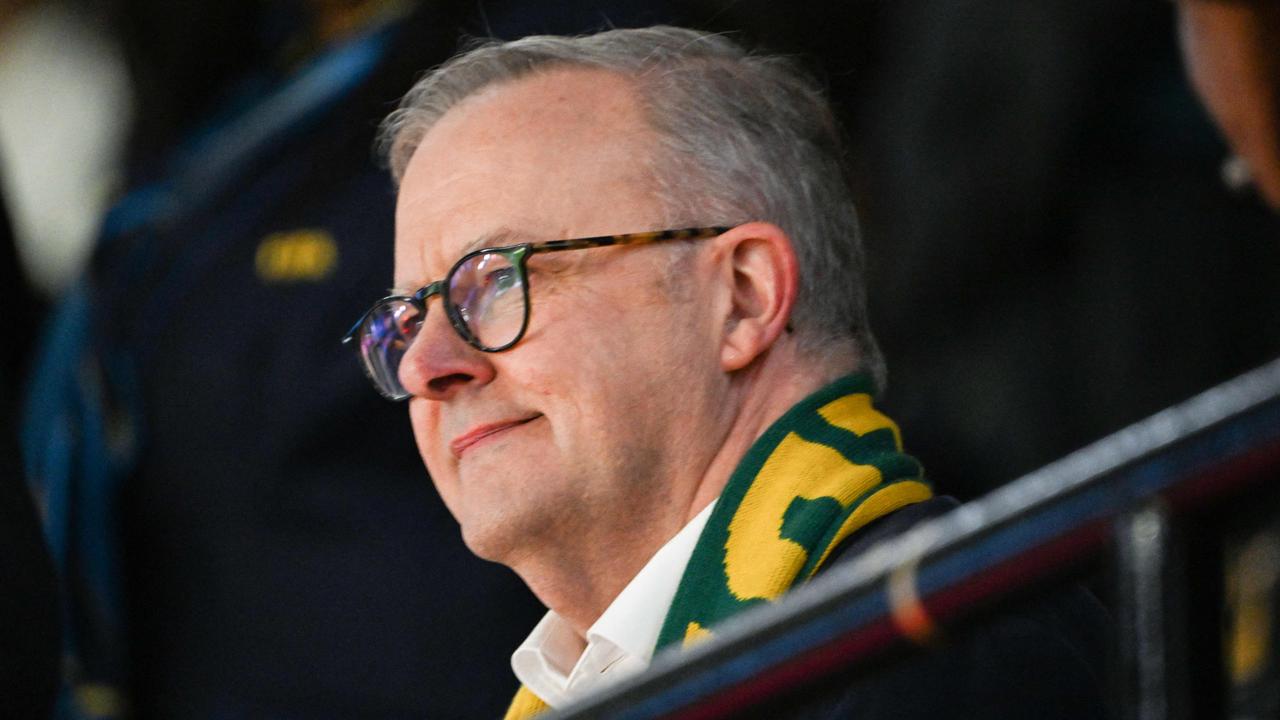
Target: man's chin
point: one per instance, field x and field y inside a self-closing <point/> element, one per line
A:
<point x="494" y="541"/>
<point x="515" y="536"/>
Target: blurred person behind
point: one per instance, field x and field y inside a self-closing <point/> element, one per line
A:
<point x="230" y="543"/>
<point x="63" y="107"/>
<point x="28" y="605"/>
<point x="1232" y="52"/>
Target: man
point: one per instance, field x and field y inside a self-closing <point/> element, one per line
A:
<point x="658" y="429"/>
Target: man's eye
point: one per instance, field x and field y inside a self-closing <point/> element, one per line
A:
<point x="501" y="280"/>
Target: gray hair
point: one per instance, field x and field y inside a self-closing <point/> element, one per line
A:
<point x="742" y="137"/>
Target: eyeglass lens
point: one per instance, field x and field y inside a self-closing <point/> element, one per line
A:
<point x="487" y="290"/>
<point x="388" y="331"/>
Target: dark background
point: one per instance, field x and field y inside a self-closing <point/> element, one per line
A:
<point x="1052" y="252"/>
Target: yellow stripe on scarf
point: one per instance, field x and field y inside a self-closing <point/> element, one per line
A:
<point x="759" y="562"/>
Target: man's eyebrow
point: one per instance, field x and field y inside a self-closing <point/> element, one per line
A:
<point x="498" y="237"/>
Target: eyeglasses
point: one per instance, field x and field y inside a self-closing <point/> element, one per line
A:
<point x="485" y="296"/>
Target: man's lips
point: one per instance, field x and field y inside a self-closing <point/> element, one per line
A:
<point x="460" y="444"/>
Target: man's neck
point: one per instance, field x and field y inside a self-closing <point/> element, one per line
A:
<point x="580" y="582"/>
<point x="760" y="395"/>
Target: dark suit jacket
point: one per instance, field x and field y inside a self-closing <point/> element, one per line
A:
<point x="1042" y="659"/>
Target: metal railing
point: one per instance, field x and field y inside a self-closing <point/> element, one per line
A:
<point x="1116" y="499"/>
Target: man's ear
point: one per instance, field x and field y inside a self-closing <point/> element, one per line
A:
<point x="758" y="265"/>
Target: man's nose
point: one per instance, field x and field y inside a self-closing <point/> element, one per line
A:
<point x="439" y="363"/>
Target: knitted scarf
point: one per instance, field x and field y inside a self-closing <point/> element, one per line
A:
<point x="826" y="468"/>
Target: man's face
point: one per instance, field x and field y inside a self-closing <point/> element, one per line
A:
<point x="594" y="427"/>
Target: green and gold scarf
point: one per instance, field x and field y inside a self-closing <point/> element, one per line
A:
<point x="829" y="466"/>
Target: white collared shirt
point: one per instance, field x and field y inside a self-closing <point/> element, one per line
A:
<point x="559" y="665"/>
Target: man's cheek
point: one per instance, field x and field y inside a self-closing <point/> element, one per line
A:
<point x="426" y="434"/>
<point x="446" y="484"/>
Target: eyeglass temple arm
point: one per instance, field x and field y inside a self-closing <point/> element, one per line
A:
<point x="627" y="239"/>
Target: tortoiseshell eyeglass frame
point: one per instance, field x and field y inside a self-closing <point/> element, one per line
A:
<point x="518" y="255"/>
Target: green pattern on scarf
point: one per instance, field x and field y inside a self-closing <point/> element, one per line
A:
<point x="826" y="468"/>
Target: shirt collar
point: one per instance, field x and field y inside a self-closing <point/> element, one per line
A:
<point x="558" y="665"/>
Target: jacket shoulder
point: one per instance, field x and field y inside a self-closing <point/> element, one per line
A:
<point x="1040" y="658"/>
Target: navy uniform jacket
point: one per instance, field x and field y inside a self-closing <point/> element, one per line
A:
<point x="28" y="607"/>
<point x="246" y="527"/>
